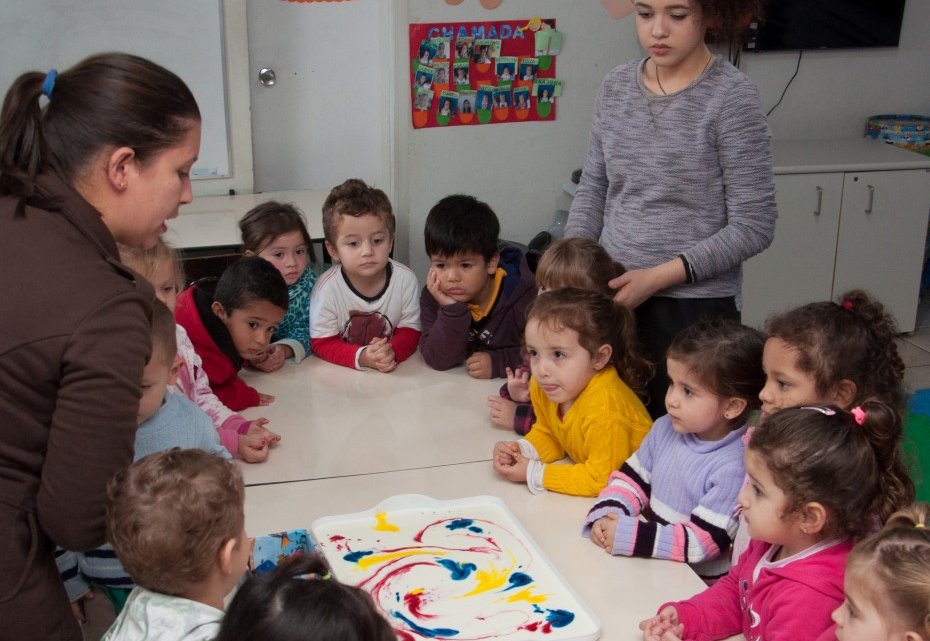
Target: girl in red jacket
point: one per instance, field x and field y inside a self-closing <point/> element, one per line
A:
<point x="816" y="474"/>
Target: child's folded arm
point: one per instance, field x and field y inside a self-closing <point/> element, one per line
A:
<point x="624" y="495"/>
<point x="502" y="358"/>
<point x="444" y="342"/>
<point x="71" y="577"/>
<point x="335" y="350"/>
<point x="404" y="341"/>
<point x="714" y="613"/>
<point x="236" y="394"/>
<point x="300" y="350"/>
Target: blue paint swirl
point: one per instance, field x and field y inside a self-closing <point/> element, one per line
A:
<point x="355" y="557"/>
<point x="430" y="633"/>
<point x="458" y="571"/>
<point x="475" y="529"/>
<point x="560" y="618"/>
<point x="459" y="524"/>
<point x="518" y="580"/>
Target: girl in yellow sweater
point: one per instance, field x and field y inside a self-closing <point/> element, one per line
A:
<point x="584" y="370"/>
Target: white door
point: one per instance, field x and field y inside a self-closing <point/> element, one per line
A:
<point x="327" y="116"/>
<point x="881" y="239"/>
<point x="798" y="267"/>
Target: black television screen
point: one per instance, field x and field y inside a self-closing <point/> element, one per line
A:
<point x="826" y="24"/>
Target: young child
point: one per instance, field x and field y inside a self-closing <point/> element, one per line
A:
<point x="176" y="520"/>
<point x="803" y="513"/>
<point x="887" y="582"/>
<point x="166" y="420"/>
<point x="476" y="296"/>
<point x="840" y="354"/>
<point x="277" y="232"/>
<point x="583" y="366"/>
<point x="570" y="262"/>
<point x="246" y="439"/>
<point x="298" y="599"/>
<point x="234" y="326"/>
<point x="686" y="476"/>
<point x="364" y="312"/>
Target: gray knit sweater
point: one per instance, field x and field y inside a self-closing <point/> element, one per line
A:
<point x="688" y="173"/>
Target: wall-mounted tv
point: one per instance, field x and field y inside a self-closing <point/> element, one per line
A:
<point x="826" y="24"/>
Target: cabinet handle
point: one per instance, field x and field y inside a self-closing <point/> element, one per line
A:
<point x="819" y="200"/>
<point x="871" y="189"/>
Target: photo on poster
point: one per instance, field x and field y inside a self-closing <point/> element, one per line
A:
<point x="423" y="79"/>
<point x="423" y="100"/>
<point x="485" y="96"/>
<point x="441" y="73"/>
<point x="501" y="97"/>
<point x="426" y="53"/>
<point x="543" y="92"/>
<point x="448" y="103"/>
<point x="521" y="98"/>
<point x="467" y="101"/>
<point x="464" y="47"/>
<point x="506" y="68"/>
<point x="442" y="48"/>
<point x="460" y="73"/>
<point x="486" y="49"/>
<point x="528" y="69"/>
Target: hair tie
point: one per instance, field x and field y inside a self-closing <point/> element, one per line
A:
<point x="858" y="414"/>
<point x="848" y="305"/>
<point x="826" y="411"/>
<point x="314" y="576"/>
<point x="48" y="85"/>
<point x="919" y="525"/>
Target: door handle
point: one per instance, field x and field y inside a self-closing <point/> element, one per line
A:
<point x="819" y="200"/>
<point x="266" y="77"/>
<point x="871" y="189"/>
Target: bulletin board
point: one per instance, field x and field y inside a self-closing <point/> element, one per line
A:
<point x="480" y="73"/>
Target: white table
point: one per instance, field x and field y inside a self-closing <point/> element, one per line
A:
<point x="336" y="421"/>
<point x="621" y="591"/>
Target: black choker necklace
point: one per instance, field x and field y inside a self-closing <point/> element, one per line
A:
<point x="659" y="82"/>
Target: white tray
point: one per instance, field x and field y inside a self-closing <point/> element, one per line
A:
<point x="462" y="569"/>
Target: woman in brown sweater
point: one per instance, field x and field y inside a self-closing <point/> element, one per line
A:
<point x="95" y="155"/>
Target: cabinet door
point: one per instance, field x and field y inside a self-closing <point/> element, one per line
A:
<point x="881" y="239"/>
<point x="798" y="267"/>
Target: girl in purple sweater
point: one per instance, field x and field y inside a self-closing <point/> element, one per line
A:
<point x="674" y="498"/>
<point x="816" y="474"/>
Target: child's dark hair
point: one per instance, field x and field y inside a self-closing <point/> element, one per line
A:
<point x="728" y="20"/>
<point x="598" y="321"/>
<point x="853" y="340"/>
<point x="354" y="198"/>
<point x="251" y="279"/>
<point x="726" y="357"/>
<point x="460" y="224"/>
<point x="265" y="222"/>
<point x="108" y="99"/>
<point x="823" y="454"/>
<point x="169" y="513"/>
<point x="895" y="567"/>
<point x="286" y="606"/>
<point x="578" y="262"/>
<point x="164" y="337"/>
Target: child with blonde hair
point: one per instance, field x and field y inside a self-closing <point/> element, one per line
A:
<point x="244" y="438"/>
<point x="887" y="583"/>
<point x="176" y="520"/>
<point x="570" y="262"/>
<point x="841" y="354"/>
<point x="585" y="369"/>
<point x="277" y="232"/>
<point x="803" y="513"/>
<point x="674" y="498"/>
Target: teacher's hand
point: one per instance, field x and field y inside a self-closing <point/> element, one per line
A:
<point x="636" y="285"/>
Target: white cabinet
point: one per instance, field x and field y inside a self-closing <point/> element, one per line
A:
<point x="851" y="215"/>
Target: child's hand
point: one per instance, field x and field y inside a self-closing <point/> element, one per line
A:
<point x="272" y="361"/>
<point x="604" y="530"/>
<point x="257" y="428"/>
<point x="518" y="384"/>
<point x="253" y="448"/>
<point x="502" y="411"/>
<point x="265" y="399"/>
<point x="515" y="471"/>
<point x="506" y="452"/>
<point x="479" y="365"/>
<point x="432" y="286"/>
<point x="379" y="355"/>
<point x="77" y="606"/>
<point x="665" y="626"/>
